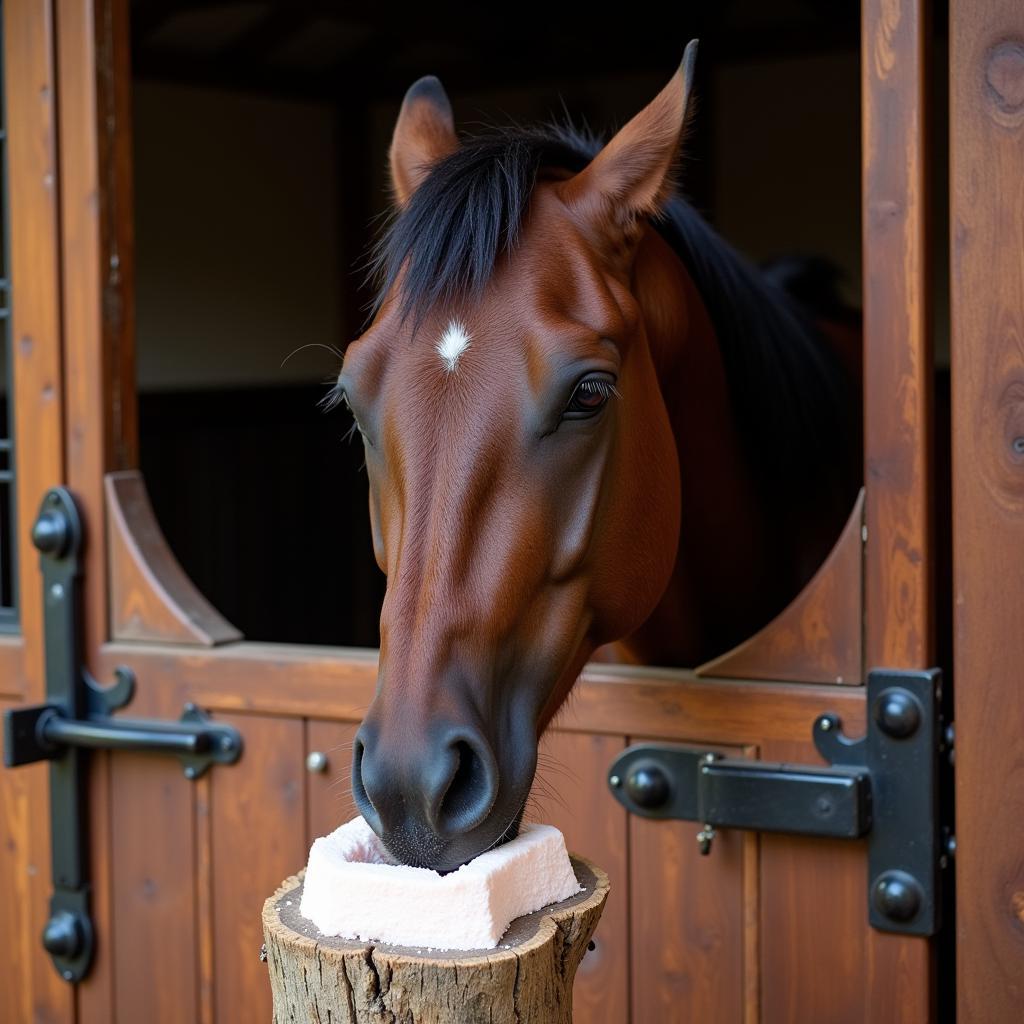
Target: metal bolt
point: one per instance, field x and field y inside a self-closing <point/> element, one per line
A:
<point x="648" y="786"/>
<point x="897" y="896"/>
<point x="316" y="762"/>
<point x="825" y="724"/>
<point x="63" y="935"/>
<point x="57" y="591"/>
<point x="191" y="771"/>
<point x="704" y="839"/>
<point x="615" y="781"/>
<point x="897" y="713"/>
<point x="50" y="533"/>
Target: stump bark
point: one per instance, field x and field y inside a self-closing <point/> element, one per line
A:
<point x="526" y="980"/>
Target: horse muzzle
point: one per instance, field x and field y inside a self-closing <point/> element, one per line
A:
<point x="434" y="799"/>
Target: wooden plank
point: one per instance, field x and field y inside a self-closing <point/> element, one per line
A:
<point x="151" y="598"/>
<point x="338" y="683"/>
<point x="18" y="896"/>
<point x="987" y="230"/>
<point x="204" y="899"/>
<point x="571" y="793"/>
<point x="12" y="661"/>
<point x="32" y="224"/>
<point x="329" y="792"/>
<point x="813" y="914"/>
<point x="898" y="362"/>
<point x="154" y="869"/>
<point x="258" y="839"/>
<point x="898" y="391"/>
<point x="688" y="918"/>
<point x="84" y="399"/>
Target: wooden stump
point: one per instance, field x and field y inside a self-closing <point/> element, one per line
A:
<point x="526" y="980"/>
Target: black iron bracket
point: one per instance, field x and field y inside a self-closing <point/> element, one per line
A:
<point x="882" y="786"/>
<point x="77" y="716"/>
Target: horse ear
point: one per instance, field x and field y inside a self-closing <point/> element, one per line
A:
<point x="633" y="175"/>
<point x="424" y="133"/>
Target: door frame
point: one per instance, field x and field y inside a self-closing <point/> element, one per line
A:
<point x="75" y="423"/>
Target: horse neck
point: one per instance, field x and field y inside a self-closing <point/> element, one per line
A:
<point x="723" y="543"/>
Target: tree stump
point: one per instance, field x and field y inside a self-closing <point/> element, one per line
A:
<point x="526" y="980"/>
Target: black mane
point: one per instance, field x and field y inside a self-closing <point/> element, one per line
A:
<point x="791" y="401"/>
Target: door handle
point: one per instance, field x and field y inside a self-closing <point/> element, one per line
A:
<point x="78" y="716"/>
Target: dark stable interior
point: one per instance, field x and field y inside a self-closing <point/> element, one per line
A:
<point x="261" y="133"/>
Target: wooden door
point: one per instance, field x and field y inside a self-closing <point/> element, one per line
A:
<point x="987" y="263"/>
<point x="765" y="929"/>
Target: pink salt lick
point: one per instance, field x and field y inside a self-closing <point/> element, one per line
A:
<point x="353" y="889"/>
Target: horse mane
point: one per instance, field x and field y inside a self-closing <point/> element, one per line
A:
<point x="791" y="402"/>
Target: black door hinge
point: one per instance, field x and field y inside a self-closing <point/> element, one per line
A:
<point x="77" y="716"/>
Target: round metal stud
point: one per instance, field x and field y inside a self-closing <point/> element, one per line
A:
<point x="50" y="534"/>
<point x="897" y="896"/>
<point x="897" y="713"/>
<point x="316" y="762"/>
<point x="63" y="935"/>
<point x="648" y="786"/>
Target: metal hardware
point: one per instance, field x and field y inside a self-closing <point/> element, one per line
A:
<point x="78" y="716"/>
<point x="316" y="762"/>
<point x="883" y="786"/>
<point x="705" y="837"/>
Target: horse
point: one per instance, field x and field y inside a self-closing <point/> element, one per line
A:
<point x="587" y="422"/>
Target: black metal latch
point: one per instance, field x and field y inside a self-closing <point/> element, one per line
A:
<point x="78" y="715"/>
<point x="883" y="786"/>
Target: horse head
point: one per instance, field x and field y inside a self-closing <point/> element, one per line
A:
<point x="524" y="480"/>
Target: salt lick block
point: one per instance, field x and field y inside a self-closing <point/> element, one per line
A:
<point x="527" y="979"/>
<point x="353" y="889"/>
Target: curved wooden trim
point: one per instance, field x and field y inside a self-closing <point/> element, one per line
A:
<point x="819" y="637"/>
<point x="151" y="598"/>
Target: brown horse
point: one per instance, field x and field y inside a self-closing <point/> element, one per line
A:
<point x="586" y="420"/>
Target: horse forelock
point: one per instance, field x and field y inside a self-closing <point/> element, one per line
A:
<point x="444" y="244"/>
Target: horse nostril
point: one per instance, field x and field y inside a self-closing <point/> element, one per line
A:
<point x="471" y="791"/>
<point x="360" y="794"/>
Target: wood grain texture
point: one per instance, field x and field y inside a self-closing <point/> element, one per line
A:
<point x="329" y="800"/>
<point x="151" y="598"/>
<point x="96" y="401"/>
<point x="204" y="899"/>
<point x="35" y="355"/>
<point x="898" y="364"/>
<point x="687" y="923"/>
<point x="338" y="683"/>
<point x="20" y="896"/>
<point x="818" y="638"/>
<point x="528" y="978"/>
<point x="85" y="364"/>
<point x="987" y="227"/>
<point x="153" y="867"/>
<point x="571" y="793"/>
<point x="257" y="838"/>
<point x="899" y="616"/>
<point x="12" y="667"/>
<point x="813" y="913"/>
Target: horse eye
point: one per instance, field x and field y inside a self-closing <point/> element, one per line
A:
<point x="589" y="398"/>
